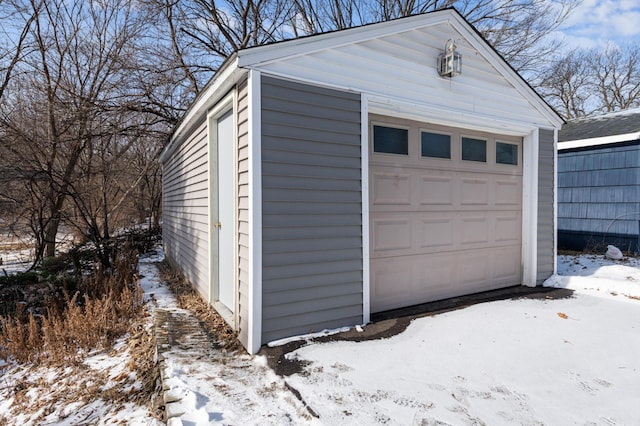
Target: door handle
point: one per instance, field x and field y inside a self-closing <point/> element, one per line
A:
<point x="218" y="225"/>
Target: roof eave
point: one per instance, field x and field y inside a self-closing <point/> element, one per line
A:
<point x="224" y="79"/>
<point x="259" y="55"/>
<point x="502" y="66"/>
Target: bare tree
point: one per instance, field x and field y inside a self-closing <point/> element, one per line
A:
<point x="67" y="121"/>
<point x="169" y="68"/>
<point x="519" y="30"/>
<point x="567" y="85"/>
<point x="616" y="75"/>
<point x="224" y="26"/>
<point x="316" y="16"/>
<point x="591" y="81"/>
<point x="23" y="17"/>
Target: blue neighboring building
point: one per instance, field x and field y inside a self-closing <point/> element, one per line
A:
<point x="599" y="182"/>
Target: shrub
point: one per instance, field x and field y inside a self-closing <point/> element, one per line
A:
<point x="100" y="311"/>
<point x="20" y="279"/>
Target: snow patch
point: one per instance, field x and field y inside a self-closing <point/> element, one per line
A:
<point x="308" y="337"/>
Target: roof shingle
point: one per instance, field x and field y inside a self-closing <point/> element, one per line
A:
<point x="615" y="123"/>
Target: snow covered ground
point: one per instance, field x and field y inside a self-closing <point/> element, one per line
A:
<point x="564" y="361"/>
<point x="14" y="261"/>
<point x="528" y="361"/>
<point x="212" y="386"/>
<point x="593" y="274"/>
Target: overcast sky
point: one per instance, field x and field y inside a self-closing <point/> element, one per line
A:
<point x="597" y="22"/>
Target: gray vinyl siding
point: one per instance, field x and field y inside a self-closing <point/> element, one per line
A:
<point x="599" y="191"/>
<point x="185" y="207"/>
<point x="546" y="232"/>
<point x="311" y="209"/>
<point x="243" y="212"/>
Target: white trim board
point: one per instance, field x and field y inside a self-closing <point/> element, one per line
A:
<point x="227" y="104"/>
<point x="604" y="140"/>
<point x="366" y="263"/>
<point x="383" y="105"/>
<point x="255" y="212"/>
<point x="530" y="154"/>
<point x="555" y="201"/>
<point x="261" y="55"/>
<point x="217" y="88"/>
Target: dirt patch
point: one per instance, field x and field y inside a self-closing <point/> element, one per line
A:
<point x="454" y="303"/>
<point x="188" y="298"/>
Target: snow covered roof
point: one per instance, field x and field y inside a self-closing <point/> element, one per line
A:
<point x="615" y="127"/>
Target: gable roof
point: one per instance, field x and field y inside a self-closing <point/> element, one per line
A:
<point x="395" y="61"/>
<point x="614" y="127"/>
<point x="405" y="50"/>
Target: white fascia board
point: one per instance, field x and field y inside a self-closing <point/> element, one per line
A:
<point x="604" y="140"/>
<point x="255" y="215"/>
<point x="217" y="88"/>
<point x="303" y="46"/>
<point x="481" y="46"/>
<point x="384" y="105"/>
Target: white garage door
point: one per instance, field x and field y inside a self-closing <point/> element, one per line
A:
<point x="445" y="212"/>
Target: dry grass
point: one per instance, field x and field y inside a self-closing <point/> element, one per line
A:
<point x="189" y="299"/>
<point x="142" y="348"/>
<point x="78" y="385"/>
<point x="100" y="311"/>
<point x="51" y="348"/>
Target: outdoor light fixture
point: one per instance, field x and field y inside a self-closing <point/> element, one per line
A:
<point x="449" y="61"/>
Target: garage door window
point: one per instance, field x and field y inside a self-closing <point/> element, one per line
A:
<point x="474" y="150"/>
<point x="390" y="140"/>
<point x="506" y="153"/>
<point x="436" y="145"/>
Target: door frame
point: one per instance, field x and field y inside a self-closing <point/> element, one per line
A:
<point x="221" y="109"/>
<point x="382" y="105"/>
<point x="496" y="173"/>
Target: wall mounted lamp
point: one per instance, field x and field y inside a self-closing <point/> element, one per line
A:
<point x="449" y="61"/>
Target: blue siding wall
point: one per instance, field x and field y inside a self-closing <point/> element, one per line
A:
<point x="312" y="209"/>
<point x="599" y="196"/>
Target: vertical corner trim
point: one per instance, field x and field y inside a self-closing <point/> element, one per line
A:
<point x="211" y="159"/>
<point x="530" y="209"/>
<point x="255" y="209"/>
<point x="555" y="201"/>
<point x="364" y="141"/>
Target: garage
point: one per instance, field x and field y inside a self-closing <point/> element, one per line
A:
<point x="445" y="212"/>
<point x="365" y="179"/>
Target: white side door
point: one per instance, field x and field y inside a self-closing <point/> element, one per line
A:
<point x="223" y="213"/>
